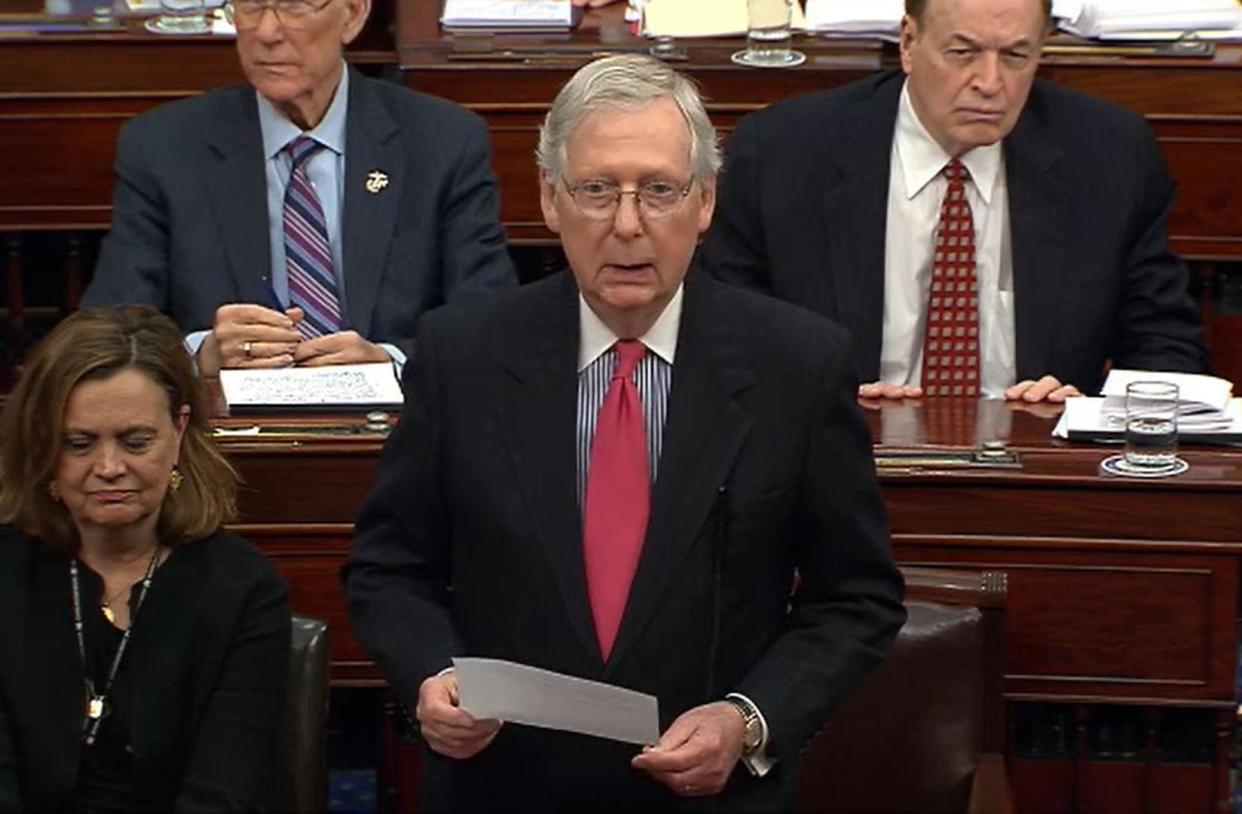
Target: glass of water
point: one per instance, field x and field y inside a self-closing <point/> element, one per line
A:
<point x="1151" y="425"/>
<point x="768" y="37"/>
<point x="180" y="17"/>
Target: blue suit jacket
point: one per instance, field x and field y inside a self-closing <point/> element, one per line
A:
<point x="190" y="227"/>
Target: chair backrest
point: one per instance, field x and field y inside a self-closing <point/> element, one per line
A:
<point x="303" y="782"/>
<point x="912" y="735"/>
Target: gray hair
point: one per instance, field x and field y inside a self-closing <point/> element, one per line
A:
<point x="626" y="81"/>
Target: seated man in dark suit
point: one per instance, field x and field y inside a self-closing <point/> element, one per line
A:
<point x="309" y="218"/>
<point x="618" y="479"/>
<point x="978" y="231"/>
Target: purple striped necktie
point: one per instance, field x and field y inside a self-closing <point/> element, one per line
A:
<point x="308" y="254"/>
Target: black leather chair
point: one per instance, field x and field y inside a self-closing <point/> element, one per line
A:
<point x="925" y="731"/>
<point x="303" y="782"/>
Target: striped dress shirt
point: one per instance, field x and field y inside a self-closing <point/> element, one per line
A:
<point x="597" y="358"/>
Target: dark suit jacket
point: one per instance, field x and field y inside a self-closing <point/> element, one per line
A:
<point x="190" y="225"/>
<point x="1088" y="199"/>
<point x="207" y="664"/>
<point x="766" y="467"/>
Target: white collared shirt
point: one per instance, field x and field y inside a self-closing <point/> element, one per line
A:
<point x="915" y="191"/>
<point x="594" y="337"/>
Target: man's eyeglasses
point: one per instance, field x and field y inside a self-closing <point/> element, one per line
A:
<point x="245" y="15"/>
<point x="599" y="200"/>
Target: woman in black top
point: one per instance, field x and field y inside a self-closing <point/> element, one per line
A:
<point x="143" y="650"/>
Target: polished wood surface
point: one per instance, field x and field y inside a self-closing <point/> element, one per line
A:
<point x="1120" y="589"/>
<point x="1194" y="104"/>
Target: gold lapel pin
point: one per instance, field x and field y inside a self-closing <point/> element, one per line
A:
<point x="376" y="181"/>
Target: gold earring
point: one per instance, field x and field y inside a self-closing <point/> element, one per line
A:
<point x="175" y="478"/>
<point x="53" y="490"/>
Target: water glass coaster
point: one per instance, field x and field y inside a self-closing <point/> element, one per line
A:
<point x="1117" y="465"/>
<point x="790" y="60"/>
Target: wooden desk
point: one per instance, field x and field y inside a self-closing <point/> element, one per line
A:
<point x="1120" y="591"/>
<point x="1195" y="105"/>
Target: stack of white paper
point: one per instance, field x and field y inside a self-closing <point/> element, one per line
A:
<point x="880" y="19"/>
<point x="370" y="386"/>
<point x="1157" y="19"/>
<point x="1202" y="401"/>
<point x="501" y="14"/>
<point x="703" y="18"/>
<point x="1206" y="408"/>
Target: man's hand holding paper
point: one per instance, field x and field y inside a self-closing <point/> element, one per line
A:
<point x="447" y="728"/>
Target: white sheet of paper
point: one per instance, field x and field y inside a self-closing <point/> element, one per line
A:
<point x="371" y="386"/>
<point x="703" y="18"/>
<point x="847" y="17"/>
<point x="1088" y="415"/>
<point x="517" y="693"/>
<point x="504" y="13"/>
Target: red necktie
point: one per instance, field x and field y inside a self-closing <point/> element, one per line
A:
<point x="618" y="497"/>
<point x="951" y="340"/>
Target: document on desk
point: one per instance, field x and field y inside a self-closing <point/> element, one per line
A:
<point x="501" y="14"/>
<point x="371" y="386"/>
<point x="518" y="693"/>
<point x="703" y="18"/>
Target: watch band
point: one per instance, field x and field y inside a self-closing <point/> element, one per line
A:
<point x="752" y="737"/>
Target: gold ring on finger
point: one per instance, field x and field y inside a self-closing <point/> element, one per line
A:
<point x="246" y="347"/>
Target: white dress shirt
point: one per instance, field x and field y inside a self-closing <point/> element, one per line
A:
<point x="915" y="191"/>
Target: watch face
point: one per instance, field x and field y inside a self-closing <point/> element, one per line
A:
<point x="754" y="734"/>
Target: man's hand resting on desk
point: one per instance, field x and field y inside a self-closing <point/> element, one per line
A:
<point x="343" y="348"/>
<point x="697" y="753"/>
<point x="882" y="390"/>
<point x="446" y="727"/>
<point x="246" y="335"/>
<point x="1049" y="388"/>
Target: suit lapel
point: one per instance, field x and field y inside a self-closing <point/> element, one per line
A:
<point x="371" y="146"/>
<point x="855" y="221"/>
<point x="538" y="420"/>
<point x="237" y="187"/>
<point x="703" y="433"/>
<point x="1038" y="201"/>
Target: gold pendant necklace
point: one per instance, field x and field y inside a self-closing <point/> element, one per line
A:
<point x="106" y="604"/>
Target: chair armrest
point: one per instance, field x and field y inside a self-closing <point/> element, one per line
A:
<point x="989" y="791"/>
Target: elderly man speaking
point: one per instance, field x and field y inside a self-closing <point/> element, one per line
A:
<point x="616" y="473"/>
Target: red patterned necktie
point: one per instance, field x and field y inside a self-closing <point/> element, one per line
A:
<point x="618" y="497"/>
<point x="951" y="339"/>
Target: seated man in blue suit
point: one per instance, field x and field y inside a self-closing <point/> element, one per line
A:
<point x="308" y="218"/>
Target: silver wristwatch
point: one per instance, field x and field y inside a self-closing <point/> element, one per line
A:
<point x="752" y="737"/>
